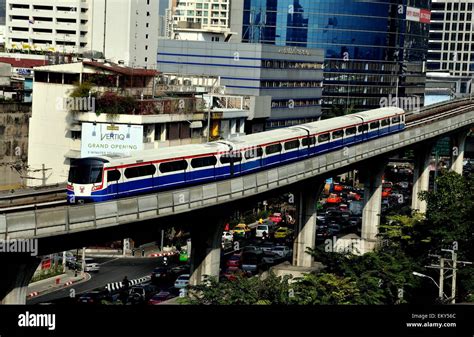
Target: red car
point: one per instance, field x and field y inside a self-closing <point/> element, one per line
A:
<point x="233" y="262"/>
<point x="334" y="199"/>
<point x="232" y="275"/>
<point x="275" y="218"/>
<point x="160" y="297"/>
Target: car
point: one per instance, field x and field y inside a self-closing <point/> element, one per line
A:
<point x="282" y="233"/>
<point x="252" y="248"/>
<point x="271" y="258"/>
<point x="275" y="218"/>
<point x="94" y="297"/>
<point x="334" y="229"/>
<point x="283" y="251"/>
<point x="160" y="274"/>
<point x="251" y="262"/>
<point x="320" y="218"/>
<point x="266" y="246"/>
<point x="242" y="230"/>
<point x="160" y="297"/>
<point x="227" y="236"/>
<point x="137" y="294"/>
<point x="182" y="281"/>
<point x="232" y="274"/>
<point x="90" y="265"/>
<point x="334" y="199"/>
<point x="180" y="270"/>
<point x="404" y="184"/>
<point x="233" y="262"/>
<point x="322" y="233"/>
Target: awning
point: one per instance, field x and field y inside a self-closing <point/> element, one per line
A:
<point x="73" y="154"/>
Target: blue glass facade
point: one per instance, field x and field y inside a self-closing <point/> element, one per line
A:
<point x="370" y="46"/>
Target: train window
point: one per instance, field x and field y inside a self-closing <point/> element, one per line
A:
<point x="385" y="122"/>
<point x="204" y="161"/>
<point x="395" y="120"/>
<point x="374" y="125"/>
<point x="253" y="153"/>
<point x="140" y="171"/>
<point x="271" y="149"/>
<point x="323" y="138"/>
<point x="363" y="128"/>
<point x="113" y="175"/>
<point x="172" y="166"/>
<point x="351" y="131"/>
<point x="337" y="134"/>
<point x="292" y="144"/>
<point x="233" y="157"/>
<point x="310" y="141"/>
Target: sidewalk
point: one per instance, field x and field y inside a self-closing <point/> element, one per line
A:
<point x="49" y="285"/>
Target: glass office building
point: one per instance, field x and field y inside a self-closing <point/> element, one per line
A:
<point x="373" y="49"/>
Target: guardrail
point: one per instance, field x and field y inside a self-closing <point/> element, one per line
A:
<point x="33" y="192"/>
<point x="71" y="219"/>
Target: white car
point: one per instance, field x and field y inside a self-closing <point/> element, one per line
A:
<point x="283" y="251"/>
<point x="90" y="265"/>
<point x="262" y="229"/>
<point x="227" y="236"/>
<point x="182" y="281"/>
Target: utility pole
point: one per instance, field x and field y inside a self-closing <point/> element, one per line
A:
<point x="452" y="264"/>
<point x="453" y="281"/>
<point x="441" y="278"/>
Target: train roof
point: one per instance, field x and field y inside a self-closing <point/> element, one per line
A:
<point x="379" y="113"/>
<point x="266" y="137"/>
<point x="170" y="152"/>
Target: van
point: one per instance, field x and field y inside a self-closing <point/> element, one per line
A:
<point x="264" y="228"/>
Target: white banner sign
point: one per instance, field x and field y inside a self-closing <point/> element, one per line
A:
<point x="109" y="139"/>
<point x="413" y="14"/>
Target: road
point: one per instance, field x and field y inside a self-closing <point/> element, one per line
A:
<point x="111" y="270"/>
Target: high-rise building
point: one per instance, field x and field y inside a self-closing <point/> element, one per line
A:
<point x="451" y="45"/>
<point x="122" y="30"/>
<point x="202" y="13"/>
<point x="374" y="50"/>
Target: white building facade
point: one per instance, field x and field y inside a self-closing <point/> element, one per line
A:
<point x="123" y="30"/>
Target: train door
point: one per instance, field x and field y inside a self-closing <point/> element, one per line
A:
<point x="113" y="180"/>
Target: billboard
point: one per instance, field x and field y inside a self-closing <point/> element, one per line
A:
<point x="110" y="139"/>
<point x="418" y="15"/>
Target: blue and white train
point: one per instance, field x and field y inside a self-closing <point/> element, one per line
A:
<point x="104" y="178"/>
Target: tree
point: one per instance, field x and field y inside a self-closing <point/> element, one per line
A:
<point x="450" y="211"/>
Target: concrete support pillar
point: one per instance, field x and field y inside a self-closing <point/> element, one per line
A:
<point x="421" y="176"/>
<point x="305" y="234"/>
<point x="457" y="152"/>
<point x="206" y="239"/>
<point x="372" y="178"/>
<point x="16" y="275"/>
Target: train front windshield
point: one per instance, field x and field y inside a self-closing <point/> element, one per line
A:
<point x="86" y="171"/>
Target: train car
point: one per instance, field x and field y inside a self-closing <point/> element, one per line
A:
<point x="110" y="177"/>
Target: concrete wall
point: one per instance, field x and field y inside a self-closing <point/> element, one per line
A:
<point x="14" y="119"/>
<point x="49" y="138"/>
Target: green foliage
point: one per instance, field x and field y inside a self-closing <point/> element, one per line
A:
<point x="81" y="89"/>
<point x="450" y="210"/>
<point x="326" y="289"/>
<point x="263" y="214"/>
<point x="48" y="273"/>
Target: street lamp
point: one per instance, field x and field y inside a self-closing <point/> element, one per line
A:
<point x="441" y="292"/>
